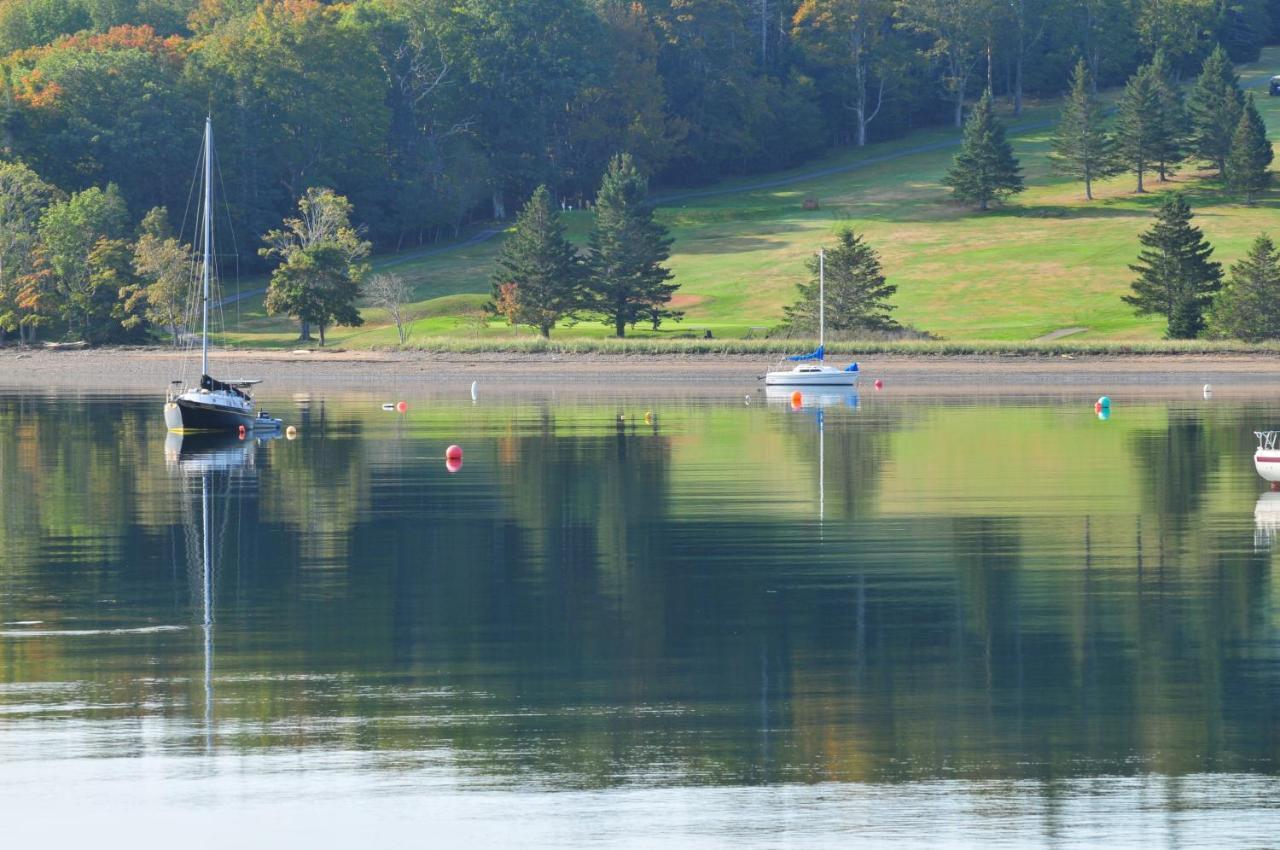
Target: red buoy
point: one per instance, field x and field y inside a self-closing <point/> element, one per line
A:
<point x="453" y="453"/>
<point x="401" y="407"/>
<point x="242" y="432"/>
<point x="453" y="464"/>
<point x="879" y="384"/>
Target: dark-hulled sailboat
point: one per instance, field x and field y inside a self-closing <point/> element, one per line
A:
<point x="212" y="405"/>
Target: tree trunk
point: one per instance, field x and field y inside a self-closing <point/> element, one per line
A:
<point x="304" y="332"/>
<point x="1088" y="187"/>
<point x="1017" y="86"/>
<point x="1140" y="189"/>
<point x="322" y="334"/>
<point x="960" y="106"/>
<point x="545" y="330"/>
<point x="982" y="205"/>
<point x="619" y="327"/>
<point x="499" y="206"/>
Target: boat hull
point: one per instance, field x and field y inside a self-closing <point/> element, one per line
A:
<point x="1267" y="463"/>
<point x="834" y="378"/>
<point x="185" y="416"/>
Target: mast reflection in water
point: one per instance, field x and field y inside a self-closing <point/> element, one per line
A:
<point x="214" y="470"/>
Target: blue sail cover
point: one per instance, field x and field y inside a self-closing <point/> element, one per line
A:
<point x="817" y="355"/>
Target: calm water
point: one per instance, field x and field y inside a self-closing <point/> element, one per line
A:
<point x="724" y="624"/>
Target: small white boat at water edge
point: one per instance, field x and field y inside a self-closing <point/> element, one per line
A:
<point x="1266" y="458"/>
<point x="810" y="370"/>
<point x="814" y="375"/>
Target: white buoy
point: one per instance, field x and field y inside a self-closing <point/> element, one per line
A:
<point x="1208" y="391"/>
<point x="475" y="390"/>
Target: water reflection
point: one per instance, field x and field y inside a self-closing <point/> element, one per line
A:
<point x="221" y="465"/>
<point x="647" y="592"/>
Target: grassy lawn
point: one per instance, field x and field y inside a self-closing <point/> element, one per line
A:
<point x="1048" y="261"/>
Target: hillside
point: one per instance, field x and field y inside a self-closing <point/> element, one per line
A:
<point x="1047" y="262"/>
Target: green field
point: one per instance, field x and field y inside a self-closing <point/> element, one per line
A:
<point x="1046" y="262"/>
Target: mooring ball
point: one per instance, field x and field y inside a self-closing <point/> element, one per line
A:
<point x="453" y="464"/>
<point x="453" y="453"/>
<point x="879" y="384"/>
<point x="291" y="433"/>
<point x="401" y="407"/>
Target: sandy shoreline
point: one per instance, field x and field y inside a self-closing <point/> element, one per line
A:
<point x="149" y="370"/>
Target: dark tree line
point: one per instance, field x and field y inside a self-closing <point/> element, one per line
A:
<point x="430" y="113"/>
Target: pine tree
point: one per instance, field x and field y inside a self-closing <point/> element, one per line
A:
<point x="1081" y="148"/>
<point x="1250" y="154"/>
<point x="857" y="295"/>
<point x="1248" y="307"/>
<point x="1215" y="104"/>
<point x="1176" y="278"/>
<point x="628" y="282"/>
<point x="1173" y="125"/>
<point x="544" y="267"/>
<point x="985" y="169"/>
<point x="1138" y="124"/>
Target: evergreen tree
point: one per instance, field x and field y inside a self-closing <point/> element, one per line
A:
<point x="857" y="295"/>
<point x="1250" y="154"/>
<point x="1081" y="148"/>
<point x="1215" y="104"/>
<point x="1248" y="307"/>
<point x="1138" y="125"/>
<point x="544" y="267"/>
<point x="985" y="169"/>
<point x="627" y="281"/>
<point x="1176" y="278"/>
<point x="1172" y="121"/>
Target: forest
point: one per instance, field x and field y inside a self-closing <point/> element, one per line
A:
<point x="428" y="115"/>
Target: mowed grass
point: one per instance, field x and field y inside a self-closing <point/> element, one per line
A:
<point x="1047" y="261"/>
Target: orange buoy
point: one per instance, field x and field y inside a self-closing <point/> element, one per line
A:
<point x="401" y="407"/>
<point x="453" y="453"/>
<point x="796" y="398"/>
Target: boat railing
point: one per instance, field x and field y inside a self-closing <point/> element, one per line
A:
<point x="1267" y="440"/>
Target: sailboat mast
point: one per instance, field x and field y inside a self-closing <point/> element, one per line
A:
<point x="208" y="171"/>
<point x="822" y="299"/>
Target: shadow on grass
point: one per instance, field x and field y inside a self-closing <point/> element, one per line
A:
<point x="722" y="243"/>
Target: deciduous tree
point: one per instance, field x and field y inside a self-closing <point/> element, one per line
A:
<point x="23" y="199"/>
<point x="322" y="265"/>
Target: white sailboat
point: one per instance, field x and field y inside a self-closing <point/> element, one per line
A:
<point x="811" y="370"/>
<point x="212" y="405"/>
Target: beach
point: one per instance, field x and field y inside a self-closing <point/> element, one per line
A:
<point x="149" y="370"/>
